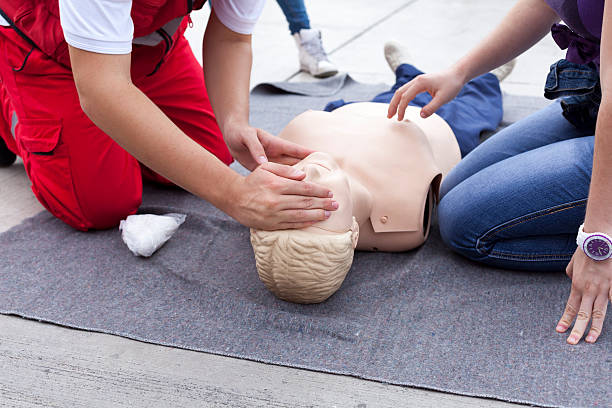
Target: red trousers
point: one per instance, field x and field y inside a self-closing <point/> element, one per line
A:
<point x="77" y="171"/>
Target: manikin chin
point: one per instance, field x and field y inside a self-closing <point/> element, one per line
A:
<point x="385" y="176"/>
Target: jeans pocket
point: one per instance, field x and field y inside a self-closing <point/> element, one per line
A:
<point x="568" y="79"/>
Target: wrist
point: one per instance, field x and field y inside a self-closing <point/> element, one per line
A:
<point x="231" y="124"/>
<point x="597" y="245"/>
<point x="461" y="70"/>
<point x="231" y="196"/>
<point x="594" y="224"/>
<point x="223" y="194"/>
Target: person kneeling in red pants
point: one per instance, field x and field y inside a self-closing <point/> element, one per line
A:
<point x="96" y="94"/>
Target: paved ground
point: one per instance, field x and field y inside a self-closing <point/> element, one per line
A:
<point x="45" y="365"/>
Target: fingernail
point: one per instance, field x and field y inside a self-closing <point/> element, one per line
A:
<point x="590" y="338"/>
<point x="335" y="205"/>
<point x="298" y="173"/>
<point x="327" y="214"/>
<point x="561" y="328"/>
<point x="423" y="114"/>
<point x="263" y="159"/>
<point x="330" y="194"/>
<point x="572" y="339"/>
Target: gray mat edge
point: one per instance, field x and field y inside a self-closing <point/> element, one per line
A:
<point x="271" y="362"/>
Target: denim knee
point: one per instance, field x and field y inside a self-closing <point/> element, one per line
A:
<point x="453" y="216"/>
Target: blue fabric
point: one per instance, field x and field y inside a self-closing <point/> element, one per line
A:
<point x="477" y="108"/>
<point x="518" y="199"/>
<point x="579" y="86"/>
<point x="295" y="13"/>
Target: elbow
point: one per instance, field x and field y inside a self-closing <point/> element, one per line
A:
<point x="95" y="98"/>
<point x="89" y="98"/>
<point x="88" y="104"/>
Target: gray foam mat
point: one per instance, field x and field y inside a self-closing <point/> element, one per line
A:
<point x="425" y="318"/>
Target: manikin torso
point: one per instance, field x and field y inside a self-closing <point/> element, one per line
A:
<point x="383" y="172"/>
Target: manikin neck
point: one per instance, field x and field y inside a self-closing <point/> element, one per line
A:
<point x="362" y="201"/>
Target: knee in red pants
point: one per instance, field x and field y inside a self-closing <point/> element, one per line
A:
<point x="77" y="172"/>
<point x="76" y="183"/>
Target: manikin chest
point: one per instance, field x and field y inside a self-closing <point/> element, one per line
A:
<point x="397" y="162"/>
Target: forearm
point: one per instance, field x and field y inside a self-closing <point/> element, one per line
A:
<point x="527" y="23"/>
<point x="598" y="217"/>
<point x="227" y="58"/>
<point x="140" y="127"/>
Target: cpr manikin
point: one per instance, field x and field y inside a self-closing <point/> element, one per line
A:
<point x="385" y="176"/>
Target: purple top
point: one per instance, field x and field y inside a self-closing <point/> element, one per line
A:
<point x="582" y="39"/>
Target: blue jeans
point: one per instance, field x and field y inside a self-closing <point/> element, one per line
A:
<point x="517" y="200"/>
<point x="477" y="108"/>
<point x="295" y="13"/>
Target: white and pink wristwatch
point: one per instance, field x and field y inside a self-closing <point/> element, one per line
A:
<point x="596" y="245"/>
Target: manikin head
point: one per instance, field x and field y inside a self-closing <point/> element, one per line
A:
<point x="308" y="265"/>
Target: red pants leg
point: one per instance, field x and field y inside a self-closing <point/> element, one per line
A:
<point x="7" y="119"/>
<point x="77" y="172"/>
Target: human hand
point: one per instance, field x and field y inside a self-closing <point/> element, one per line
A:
<point x="252" y="147"/>
<point x="443" y="86"/>
<point x="274" y="197"/>
<point x="589" y="296"/>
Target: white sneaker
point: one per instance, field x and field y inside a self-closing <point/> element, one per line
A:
<point x="396" y="54"/>
<point x="502" y="72"/>
<point x="313" y="58"/>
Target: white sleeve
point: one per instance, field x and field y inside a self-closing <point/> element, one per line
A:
<point x="239" y="16"/>
<point x="102" y="26"/>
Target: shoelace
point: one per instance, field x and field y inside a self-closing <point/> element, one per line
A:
<point x="314" y="47"/>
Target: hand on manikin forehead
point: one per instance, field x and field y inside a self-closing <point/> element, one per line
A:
<point x="322" y="169"/>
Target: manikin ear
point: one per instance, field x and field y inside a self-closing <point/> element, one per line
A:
<point x="355" y="233"/>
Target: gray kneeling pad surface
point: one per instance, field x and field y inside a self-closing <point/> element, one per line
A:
<point x="425" y="318"/>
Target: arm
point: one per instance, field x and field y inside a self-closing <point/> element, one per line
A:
<point x="227" y="58"/>
<point x="592" y="280"/>
<point x="527" y="23"/>
<point x="120" y="109"/>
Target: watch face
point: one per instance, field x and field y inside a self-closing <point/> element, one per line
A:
<point x="597" y="247"/>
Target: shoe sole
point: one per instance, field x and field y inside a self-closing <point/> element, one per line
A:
<point x="326" y="74"/>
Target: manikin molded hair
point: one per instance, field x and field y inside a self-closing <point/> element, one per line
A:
<point x="302" y="266"/>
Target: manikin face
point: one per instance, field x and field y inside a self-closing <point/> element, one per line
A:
<point x="320" y="168"/>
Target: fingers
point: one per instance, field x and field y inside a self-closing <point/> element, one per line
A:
<point x="307" y="189"/>
<point x="571" y="309"/>
<point x="255" y="148"/>
<point x="406" y="98"/>
<point x="403" y="96"/>
<point x="294" y="202"/>
<point x="432" y="106"/>
<point x="395" y="101"/>
<point x="283" y="170"/>
<point x="582" y="319"/>
<point x="599" y="314"/>
<point x="277" y="147"/>
<point x="569" y="271"/>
